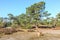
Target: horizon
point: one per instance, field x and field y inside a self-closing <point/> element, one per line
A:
<point x="17" y="7"/>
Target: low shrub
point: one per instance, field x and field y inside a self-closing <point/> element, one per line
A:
<point x="9" y="30"/>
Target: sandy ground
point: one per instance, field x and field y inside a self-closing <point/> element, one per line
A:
<point x="50" y="31"/>
<point x="49" y="34"/>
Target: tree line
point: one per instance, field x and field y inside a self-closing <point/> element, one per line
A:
<point x="35" y="15"/>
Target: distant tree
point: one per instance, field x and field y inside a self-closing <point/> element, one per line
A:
<point x="58" y="19"/>
<point x="46" y="16"/>
<point x="58" y="15"/>
<point x="1" y="22"/>
<point x="13" y="20"/>
<point x="11" y="17"/>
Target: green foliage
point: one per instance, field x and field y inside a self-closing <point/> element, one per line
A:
<point x="58" y="15"/>
<point x="35" y="15"/>
<point x="34" y="12"/>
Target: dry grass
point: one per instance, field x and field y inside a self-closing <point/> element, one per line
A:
<point x="30" y="36"/>
<point x="25" y="34"/>
<point x="46" y="37"/>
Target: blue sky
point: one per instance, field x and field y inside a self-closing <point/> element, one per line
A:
<point x="17" y="7"/>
